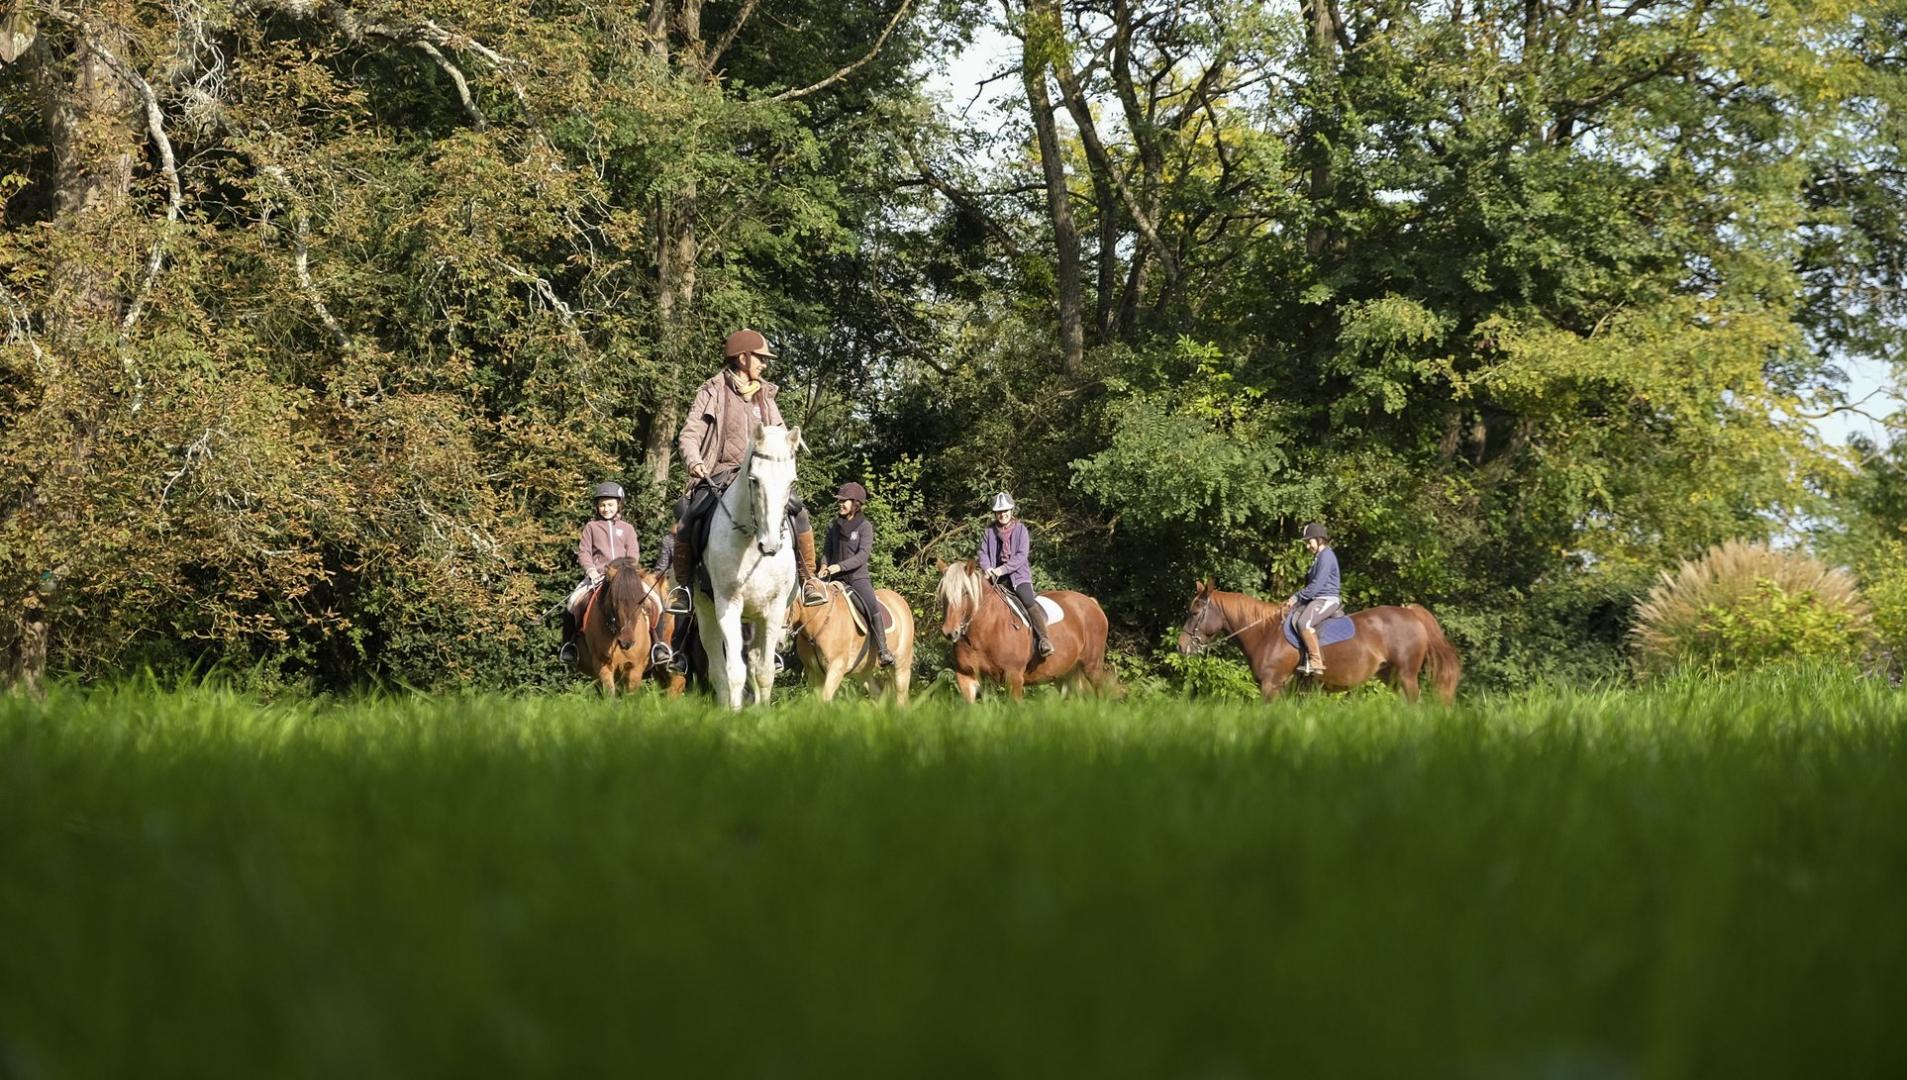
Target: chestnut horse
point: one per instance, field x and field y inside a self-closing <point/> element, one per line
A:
<point x="989" y="642"/>
<point x="832" y="647"/>
<point x="1391" y="641"/>
<point x="617" y="625"/>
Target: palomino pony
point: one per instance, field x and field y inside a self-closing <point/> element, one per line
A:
<point x="1392" y="641"/>
<point x="832" y="647"/>
<point x="616" y="626"/>
<point x="990" y="643"/>
<point x="750" y="562"/>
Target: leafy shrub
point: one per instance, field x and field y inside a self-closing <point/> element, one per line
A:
<point x="1884" y="584"/>
<point x="1744" y="606"/>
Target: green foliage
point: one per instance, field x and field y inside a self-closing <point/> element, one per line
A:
<point x="1525" y="302"/>
<point x="556" y="885"/>
<point x="1742" y="607"/>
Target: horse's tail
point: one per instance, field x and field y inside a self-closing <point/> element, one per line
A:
<point x="1104" y="679"/>
<point x="1445" y="665"/>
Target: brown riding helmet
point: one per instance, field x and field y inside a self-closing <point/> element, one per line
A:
<point x="745" y="341"/>
<point x="851" y="490"/>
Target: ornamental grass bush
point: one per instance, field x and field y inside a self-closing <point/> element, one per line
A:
<point x="1743" y="606"/>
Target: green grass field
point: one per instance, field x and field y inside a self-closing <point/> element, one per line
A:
<point x="1707" y="879"/>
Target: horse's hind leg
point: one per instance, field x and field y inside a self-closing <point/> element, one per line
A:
<point x="1407" y="682"/>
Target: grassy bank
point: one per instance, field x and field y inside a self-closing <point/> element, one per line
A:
<point x="1703" y="879"/>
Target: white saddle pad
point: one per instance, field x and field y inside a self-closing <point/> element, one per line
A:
<point x="1054" y="613"/>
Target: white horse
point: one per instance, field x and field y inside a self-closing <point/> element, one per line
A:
<point x="751" y="566"/>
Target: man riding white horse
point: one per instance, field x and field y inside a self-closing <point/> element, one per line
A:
<point x="728" y="410"/>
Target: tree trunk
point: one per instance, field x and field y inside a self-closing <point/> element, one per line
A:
<point x="1321" y="23"/>
<point x="91" y="117"/>
<point x="1072" y="335"/>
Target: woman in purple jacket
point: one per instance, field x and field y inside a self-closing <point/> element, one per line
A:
<point x="1005" y="556"/>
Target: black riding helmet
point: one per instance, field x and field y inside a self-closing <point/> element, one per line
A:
<point x="609" y="489"/>
<point x="1315" y="531"/>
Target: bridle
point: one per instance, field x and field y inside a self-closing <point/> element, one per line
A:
<point x="642" y="603"/>
<point x="748" y="474"/>
<point x="1200" y="642"/>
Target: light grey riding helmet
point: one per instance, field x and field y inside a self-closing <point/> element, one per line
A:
<point x="1002" y="501"/>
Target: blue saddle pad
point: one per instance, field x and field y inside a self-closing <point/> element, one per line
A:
<point x="1330" y="631"/>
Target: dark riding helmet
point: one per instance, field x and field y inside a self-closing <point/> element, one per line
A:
<point x="609" y="489"/>
<point x="851" y="490"/>
<point x="1315" y="531"/>
<point x="745" y="341"/>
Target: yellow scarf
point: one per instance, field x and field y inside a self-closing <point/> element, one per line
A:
<point x="743" y="386"/>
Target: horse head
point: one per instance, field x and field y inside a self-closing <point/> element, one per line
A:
<point x="627" y="592"/>
<point x="1204" y="619"/>
<point x="960" y="593"/>
<point x="769" y="476"/>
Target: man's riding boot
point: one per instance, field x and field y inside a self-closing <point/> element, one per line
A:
<point x="811" y="592"/>
<point x="1314" y="654"/>
<point x="1036" y="615"/>
<point x="684" y="568"/>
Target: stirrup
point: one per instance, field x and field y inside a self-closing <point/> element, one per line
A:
<point x="567" y="654"/>
<point x="660" y="655"/>
<point x="679" y="600"/>
<point x="813" y="594"/>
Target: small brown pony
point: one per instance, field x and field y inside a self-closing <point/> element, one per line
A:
<point x="1391" y="641"/>
<point x="990" y="643"/>
<point x="832" y="647"/>
<point x="617" y="626"/>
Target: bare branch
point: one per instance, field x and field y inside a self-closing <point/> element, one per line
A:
<point x="457" y="79"/>
<point x="301" y="257"/>
<point x="543" y="289"/>
<point x="728" y="36"/>
<point x="899" y="13"/>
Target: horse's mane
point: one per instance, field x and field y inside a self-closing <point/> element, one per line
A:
<point x="625" y="588"/>
<point x="1242" y="609"/>
<point x="961" y="582"/>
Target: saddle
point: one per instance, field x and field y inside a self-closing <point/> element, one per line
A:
<point x="1331" y="631"/>
<point x="1054" y="613"/>
<point x="860" y="616"/>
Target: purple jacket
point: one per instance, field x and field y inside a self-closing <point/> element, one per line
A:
<point x="1011" y="551"/>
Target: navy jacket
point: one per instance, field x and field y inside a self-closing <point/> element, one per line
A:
<point x="850" y="541"/>
<point x="1323" y="578"/>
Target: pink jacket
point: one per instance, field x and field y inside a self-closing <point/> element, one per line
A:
<point x="606" y="541"/>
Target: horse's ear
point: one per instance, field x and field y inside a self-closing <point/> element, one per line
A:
<point x="1211" y="585"/>
<point x="794" y="440"/>
<point x="940" y="564"/>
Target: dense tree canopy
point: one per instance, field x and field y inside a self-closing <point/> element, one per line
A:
<point x="321" y="315"/>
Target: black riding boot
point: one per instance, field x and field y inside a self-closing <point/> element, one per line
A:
<point x="1036" y="618"/>
<point x="870" y="606"/>
<point x="567" y="653"/>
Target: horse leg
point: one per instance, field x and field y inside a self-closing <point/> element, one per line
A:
<point x="768" y="639"/>
<point x="728" y="669"/>
<point x="901" y="678"/>
<point x="969" y="686"/>
<point x="1016" y="685"/>
<point x="831" y="679"/>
